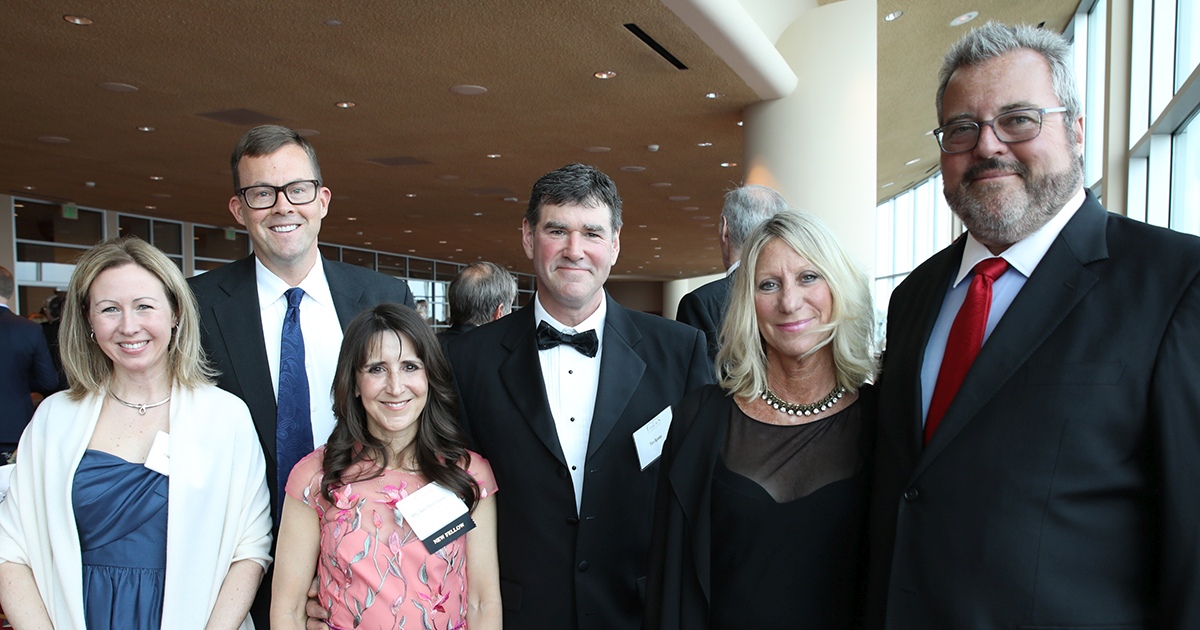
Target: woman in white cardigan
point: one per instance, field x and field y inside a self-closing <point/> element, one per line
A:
<point x="139" y="497"/>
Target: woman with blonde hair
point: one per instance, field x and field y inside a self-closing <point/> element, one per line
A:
<point x="139" y="497"/>
<point x="762" y="493"/>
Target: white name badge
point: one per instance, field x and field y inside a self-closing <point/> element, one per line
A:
<point x="159" y="457"/>
<point x="436" y="515"/>
<point x="649" y="439"/>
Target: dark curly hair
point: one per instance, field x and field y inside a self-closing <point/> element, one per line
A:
<point x="440" y="448"/>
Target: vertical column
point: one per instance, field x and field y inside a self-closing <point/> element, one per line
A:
<point x="8" y="234"/>
<point x="1117" y="108"/>
<point x="817" y="145"/>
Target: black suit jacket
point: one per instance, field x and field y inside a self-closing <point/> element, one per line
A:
<point x="559" y="570"/>
<point x="232" y="332"/>
<point x="1060" y="488"/>
<point x="25" y="366"/>
<point x="704" y="308"/>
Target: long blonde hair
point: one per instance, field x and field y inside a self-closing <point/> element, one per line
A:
<point x="88" y="368"/>
<point x="742" y="359"/>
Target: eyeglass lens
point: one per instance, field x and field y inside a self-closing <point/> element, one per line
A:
<point x="1017" y="126"/>
<point x="302" y="192"/>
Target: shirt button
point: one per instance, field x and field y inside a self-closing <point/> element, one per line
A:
<point x="583" y="566"/>
<point x="911" y="494"/>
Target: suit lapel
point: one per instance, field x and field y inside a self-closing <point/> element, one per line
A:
<point x="347" y="294"/>
<point x="1057" y="285"/>
<point x="621" y="370"/>
<point x="521" y="375"/>
<point x="240" y="324"/>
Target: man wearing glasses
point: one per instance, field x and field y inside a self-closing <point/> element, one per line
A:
<point x="273" y="321"/>
<point x="1038" y="450"/>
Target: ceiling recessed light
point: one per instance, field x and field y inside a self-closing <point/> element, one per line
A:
<point x="351" y="218"/>
<point x="53" y="139"/>
<point x="888" y="184"/>
<point x="441" y="242"/>
<point x="469" y="90"/>
<point x="728" y="164"/>
<point x="704" y="144"/>
<point x="739" y="123"/>
<point x="690" y="208"/>
<point x="408" y="231"/>
<point x="333" y="22"/>
<point x="345" y="104"/>
<point x="511" y="199"/>
<point x="410" y="195"/>
<point x="412" y="251"/>
<point x="893" y="16"/>
<point x="678" y="198"/>
<point x="597" y="149"/>
<point x="156" y="178"/>
<point x="714" y="95"/>
<point x="605" y="74"/>
<point x="661" y="184"/>
<point x="152" y="207"/>
<point x="633" y="169"/>
<point x="478" y="214"/>
<point x="654" y="238"/>
<point x="912" y="161"/>
<point x="121" y="88"/>
<point x="146" y="128"/>
<point x="366" y="242"/>
<point x="964" y="18"/>
<point x="78" y="20"/>
<point x="493" y="155"/>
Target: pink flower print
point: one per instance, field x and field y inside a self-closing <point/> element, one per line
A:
<point x="394" y="494"/>
<point x="343" y="498"/>
<point x="394" y="543"/>
<point x="378" y="521"/>
<point x="436" y="599"/>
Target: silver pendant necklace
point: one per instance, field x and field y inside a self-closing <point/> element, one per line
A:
<point x="141" y="408"/>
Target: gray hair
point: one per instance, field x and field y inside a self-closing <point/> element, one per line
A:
<point x="8" y="284"/>
<point x="477" y="290"/>
<point x="746" y="207"/>
<point x="994" y="40"/>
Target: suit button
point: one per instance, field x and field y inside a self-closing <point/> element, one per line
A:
<point x="571" y="520"/>
<point x="562" y="472"/>
<point x="911" y="494"/>
<point x="583" y="566"/>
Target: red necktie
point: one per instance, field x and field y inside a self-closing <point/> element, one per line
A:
<point x="966" y="337"/>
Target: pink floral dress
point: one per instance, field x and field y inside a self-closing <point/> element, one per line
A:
<point x="372" y="569"/>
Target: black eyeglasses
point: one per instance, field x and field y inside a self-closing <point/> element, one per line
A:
<point x="1019" y="125"/>
<point x="298" y="193"/>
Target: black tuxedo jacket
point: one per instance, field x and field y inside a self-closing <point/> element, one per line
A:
<point x="560" y="570"/>
<point x="232" y="332"/>
<point x="704" y="308"/>
<point x="25" y="366"/>
<point x="1060" y="490"/>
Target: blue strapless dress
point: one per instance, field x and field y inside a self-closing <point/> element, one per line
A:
<point x="121" y="514"/>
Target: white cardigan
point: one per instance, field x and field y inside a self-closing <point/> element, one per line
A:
<point x="218" y="509"/>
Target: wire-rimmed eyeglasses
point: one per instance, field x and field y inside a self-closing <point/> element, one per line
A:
<point x="1018" y="125"/>
<point x="262" y="196"/>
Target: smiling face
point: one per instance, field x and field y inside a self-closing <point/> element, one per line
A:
<point x="131" y="318"/>
<point x="1005" y="192"/>
<point x="285" y="235"/>
<point x="573" y="248"/>
<point x="393" y="386"/>
<point x="790" y="300"/>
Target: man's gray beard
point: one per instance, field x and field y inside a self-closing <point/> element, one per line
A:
<point x="995" y="220"/>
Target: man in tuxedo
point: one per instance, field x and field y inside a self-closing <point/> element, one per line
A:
<point x="1050" y="482"/>
<point x="704" y="308"/>
<point x="25" y="366"/>
<point x="249" y="322"/>
<point x="482" y="292"/>
<point x="554" y="395"/>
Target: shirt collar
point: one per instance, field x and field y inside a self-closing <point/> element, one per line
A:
<point x="733" y="268"/>
<point x="595" y="321"/>
<point x="1025" y="254"/>
<point x="272" y="288"/>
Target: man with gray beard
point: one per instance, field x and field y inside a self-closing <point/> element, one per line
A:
<point x="1039" y="417"/>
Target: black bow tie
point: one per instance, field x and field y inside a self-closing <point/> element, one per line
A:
<point x="585" y="342"/>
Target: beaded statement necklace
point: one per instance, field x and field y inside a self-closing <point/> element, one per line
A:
<point x="793" y="409"/>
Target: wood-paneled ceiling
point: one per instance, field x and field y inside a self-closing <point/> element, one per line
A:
<point x="408" y="163"/>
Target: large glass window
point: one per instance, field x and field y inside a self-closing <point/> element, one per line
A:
<point x="909" y="228"/>
<point x="1185" y="180"/>
<point x="1187" y="40"/>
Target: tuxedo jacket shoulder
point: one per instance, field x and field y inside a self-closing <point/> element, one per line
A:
<point x="704" y="308"/>
<point x="560" y="568"/>
<point x="25" y="366"/>
<point x="1056" y="477"/>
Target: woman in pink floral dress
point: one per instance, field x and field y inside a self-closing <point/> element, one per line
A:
<point x="396" y="433"/>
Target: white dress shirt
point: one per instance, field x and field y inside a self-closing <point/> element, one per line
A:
<point x="1022" y="257"/>
<point x="322" y="338"/>
<point x="571" y="382"/>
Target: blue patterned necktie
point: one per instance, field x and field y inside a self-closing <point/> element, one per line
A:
<point x="293" y="424"/>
